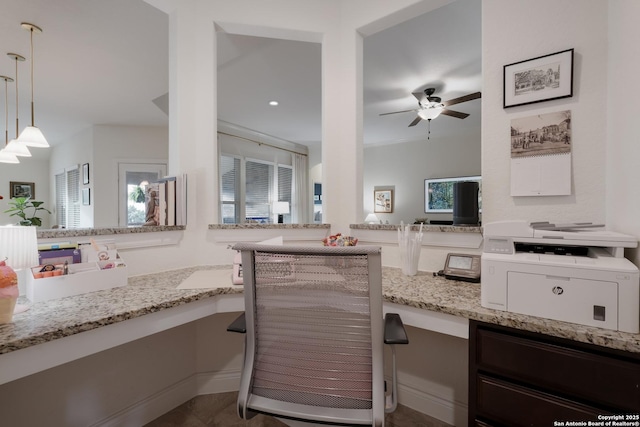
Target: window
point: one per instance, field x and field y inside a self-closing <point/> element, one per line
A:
<point x="250" y="187"/>
<point x="68" y="197"/>
<point x="229" y="193"/>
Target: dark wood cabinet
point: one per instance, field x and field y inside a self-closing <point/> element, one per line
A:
<point x="519" y="378"/>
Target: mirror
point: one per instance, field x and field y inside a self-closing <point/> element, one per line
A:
<point x="269" y="127"/>
<point x="99" y="80"/>
<point x="440" y="49"/>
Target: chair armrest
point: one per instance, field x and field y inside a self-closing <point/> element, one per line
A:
<point x="394" y="332"/>
<point x="239" y="325"/>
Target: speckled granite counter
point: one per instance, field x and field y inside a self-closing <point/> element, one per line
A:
<point x="83" y="232"/>
<point x="416" y="227"/>
<point x="250" y="226"/>
<point x="48" y="321"/>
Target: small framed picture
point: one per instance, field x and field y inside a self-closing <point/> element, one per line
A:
<point x="86" y="196"/>
<point x="22" y="189"/>
<point x="539" y="79"/>
<point x="383" y="201"/>
<point x="85" y="173"/>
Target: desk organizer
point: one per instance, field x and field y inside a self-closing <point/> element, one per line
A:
<point x="82" y="278"/>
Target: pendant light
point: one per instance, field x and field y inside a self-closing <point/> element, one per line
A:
<point x="4" y="156"/>
<point x="31" y="135"/>
<point x="14" y="147"/>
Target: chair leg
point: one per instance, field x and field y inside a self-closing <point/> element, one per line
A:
<point x="391" y="402"/>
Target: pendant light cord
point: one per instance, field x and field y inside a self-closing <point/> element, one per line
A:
<point x="6" y="111"/>
<point x="32" y="60"/>
<point x="17" y="124"/>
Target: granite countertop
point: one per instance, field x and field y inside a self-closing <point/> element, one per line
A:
<point x="415" y="227"/>
<point x="105" y="231"/>
<point x="50" y="320"/>
<point x="254" y="226"/>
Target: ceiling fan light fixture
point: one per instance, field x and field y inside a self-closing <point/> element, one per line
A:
<point x="430" y="112"/>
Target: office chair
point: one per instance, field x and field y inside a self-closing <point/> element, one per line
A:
<point x="314" y="335"/>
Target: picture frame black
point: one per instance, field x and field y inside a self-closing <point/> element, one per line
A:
<point x="539" y="79"/>
<point x="85" y="173"/>
<point x="22" y="189"/>
<point x="86" y="196"/>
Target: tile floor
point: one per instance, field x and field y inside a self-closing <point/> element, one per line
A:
<point x="219" y="410"/>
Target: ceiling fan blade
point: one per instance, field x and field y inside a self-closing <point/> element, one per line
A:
<point x="456" y="114"/>
<point x="415" y="121"/>
<point x="420" y="96"/>
<point x="465" y="98"/>
<point x="396" y="112"/>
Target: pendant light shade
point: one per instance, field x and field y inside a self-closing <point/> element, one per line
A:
<point x="8" y="157"/>
<point x="13" y="146"/>
<point x="32" y="136"/>
<point x="20" y="150"/>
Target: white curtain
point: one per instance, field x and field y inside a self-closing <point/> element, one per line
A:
<point x="300" y="190"/>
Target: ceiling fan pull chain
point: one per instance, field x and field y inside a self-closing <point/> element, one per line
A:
<point x="428" y="129"/>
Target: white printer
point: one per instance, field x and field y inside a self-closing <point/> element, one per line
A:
<point x="569" y="272"/>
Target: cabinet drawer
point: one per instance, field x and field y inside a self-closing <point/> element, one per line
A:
<point x="512" y="405"/>
<point x="603" y="380"/>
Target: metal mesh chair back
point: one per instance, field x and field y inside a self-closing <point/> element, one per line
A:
<point x="314" y="332"/>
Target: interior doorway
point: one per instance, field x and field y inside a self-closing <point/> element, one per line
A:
<point x="133" y="179"/>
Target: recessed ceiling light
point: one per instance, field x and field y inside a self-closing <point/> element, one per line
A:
<point x="273" y="103"/>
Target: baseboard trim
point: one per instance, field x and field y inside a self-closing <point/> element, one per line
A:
<point x="150" y="408"/>
<point x="451" y="412"/>
<point x="218" y="382"/>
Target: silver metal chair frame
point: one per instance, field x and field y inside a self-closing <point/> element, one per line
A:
<point x="249" y="403"/>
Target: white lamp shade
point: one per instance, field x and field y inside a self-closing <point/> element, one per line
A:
<point x="20" y="150"/>
<point x="281" y="208"/>
<point x="372" y="219"/>
<point x="31" y="136"/>
<point x="8" y="157"/>
<point x="19" y="245"/>
<point x="430" y="113"/>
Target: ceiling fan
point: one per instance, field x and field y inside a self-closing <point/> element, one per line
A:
<point x="430" y="107"/>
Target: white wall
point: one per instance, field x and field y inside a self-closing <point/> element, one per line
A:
<point x="114" y="144"/>
<point x="103" y="146"/>
<point x="76" y="151"/>
<point x="623" y="144"/>
<point x="28" y="170"/>
<point x="518" y="30"/>
<point x="406" y="165"/>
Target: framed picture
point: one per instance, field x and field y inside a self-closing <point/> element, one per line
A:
<point x="22" y="189"/>
<point x="539" y="79"/>
<point x="383" y="201"/>
<point x="438" y="193"/>
<point x="85" y="173"/>
<point x="86" y="196"/>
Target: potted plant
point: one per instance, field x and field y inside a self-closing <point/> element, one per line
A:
<point x="19" y="206"/>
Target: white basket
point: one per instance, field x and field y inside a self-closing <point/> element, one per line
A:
<point x="82" y="278"/>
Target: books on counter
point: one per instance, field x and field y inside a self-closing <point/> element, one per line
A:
<point x="166" y="201"/>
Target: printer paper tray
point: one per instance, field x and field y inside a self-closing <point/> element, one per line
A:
<point x="588" y="302"/>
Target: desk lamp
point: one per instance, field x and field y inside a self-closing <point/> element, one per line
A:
<point x="281" y="208"/>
